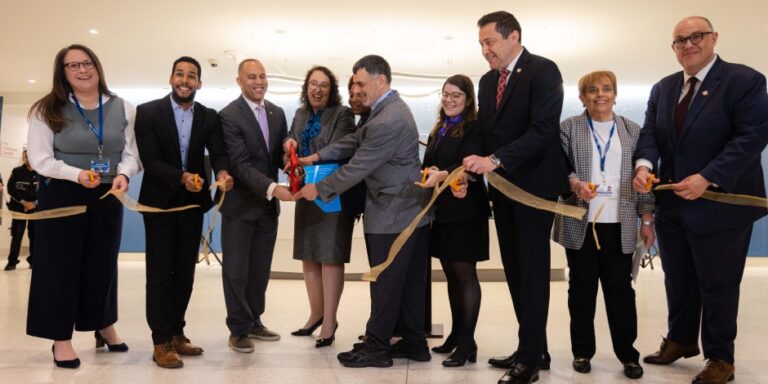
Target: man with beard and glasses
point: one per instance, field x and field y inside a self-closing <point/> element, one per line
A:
<point x="172" y="134"/>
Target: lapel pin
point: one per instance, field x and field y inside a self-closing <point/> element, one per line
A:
<point x="705" y="93"/>
<point x="519" y="70"/>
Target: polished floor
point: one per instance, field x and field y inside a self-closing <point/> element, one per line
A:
<point x="25" y="359"/>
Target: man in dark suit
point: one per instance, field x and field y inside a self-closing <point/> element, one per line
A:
<point x="520" y="100"/>
<point x="385" y="153"/>
<point x="254" y="130"/>
<point x="705" y="128"/>
<point x="172" y="134"/>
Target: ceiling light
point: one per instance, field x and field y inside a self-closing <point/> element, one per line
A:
<point x="93" y="31"/>
<point x="32" y="81"/>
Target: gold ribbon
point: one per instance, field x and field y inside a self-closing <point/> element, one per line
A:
<point x="594" y="221"/>
<point x="726" y="198"/>
<point x="133" y="205"/>
<point x="54" y="213"/>
<point x="211" y="225"/>
<point x="497" y="181"/>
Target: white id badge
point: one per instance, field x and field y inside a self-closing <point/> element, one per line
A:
<point x="605" y="190"/>
<point x="100" y="165"/>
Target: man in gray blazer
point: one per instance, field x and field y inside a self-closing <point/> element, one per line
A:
<point x="253" y="130"/>
<point x="385" y="153"/>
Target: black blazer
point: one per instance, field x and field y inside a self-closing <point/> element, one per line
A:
<point x="525" y="133"/>
<point x="723" y="136"/>
<point x="254" y="163"/>
<point x="157" y="139"/>
<point x="447" y="154"/>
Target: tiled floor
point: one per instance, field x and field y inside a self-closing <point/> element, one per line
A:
<point x="24" y="359"/>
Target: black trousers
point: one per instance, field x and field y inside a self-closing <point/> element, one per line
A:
<point x="523" y="234"/>
<point x="17" y="233"/>
<point x="398" y="297"/>
<point x="173" y="241"/>
<point x="613" y="269"/>
<point x="702" y="275"/>
<point x="74" y="282"/>
<point x="248" y="246"/>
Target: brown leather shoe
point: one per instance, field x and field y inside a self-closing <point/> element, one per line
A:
<point x="165" y="357"/>
<point x="184" y="347"/>
<point x="716" y="372"/>
<point x="669" y="352"/>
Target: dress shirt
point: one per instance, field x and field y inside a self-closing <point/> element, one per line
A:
<point x="184" y="127"/>
<point x="40" y="148"/>
<point x="380" y="99"/>
<point x="511" y="66"/>
<point x="254" y="108"/>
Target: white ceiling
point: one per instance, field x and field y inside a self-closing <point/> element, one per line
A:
<point x="138" y="40"/>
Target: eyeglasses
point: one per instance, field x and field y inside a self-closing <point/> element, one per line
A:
<point x="695" y="38"/>
<point x="75" y="66"/>
<point x="647" y="259"/>
<point x="454" y="96"/>
<point x="323" y="86"/>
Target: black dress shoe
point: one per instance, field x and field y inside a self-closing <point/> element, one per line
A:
<point x="71" y="364"/>
<point x="362" y="358"/>
<point x="308" y="331"/>
<point x="448" y="346"/>
<point x="411" y="350"/>
<point x="633" y="370"/>
<point x="320" y="343"/>
<point x="460" y="356"/>
<point x="581" y="365"/>
<point x="520" y="374"/>
<point x="508" y="361"/>
<point x="101" y="341"/>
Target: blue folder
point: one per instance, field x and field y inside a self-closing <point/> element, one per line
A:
<point x="315" y="173"/>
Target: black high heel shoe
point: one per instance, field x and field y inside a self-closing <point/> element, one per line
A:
<point x="101" y="341"/>
<point x="308" y="331"/>
<point x="448" y="346"/>
<point x="320" y="343"/>
<point x="71" y="364"/>
<point x="460" y="356"/>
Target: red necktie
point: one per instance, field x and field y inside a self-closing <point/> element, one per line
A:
<point x="503" y="74"/>
<point x="682" y="106"/>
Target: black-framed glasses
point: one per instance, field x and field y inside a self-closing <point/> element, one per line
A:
<point x="324" y="86"/>
<point x="454" y="96"/>
<point x="648" y="256"/>
<point x="695" y="38"/>
<point x="75" y="65"/>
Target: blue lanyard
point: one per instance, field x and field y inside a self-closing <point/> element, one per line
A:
<point x="100" y="133"/>
<point x="603" y="155"/>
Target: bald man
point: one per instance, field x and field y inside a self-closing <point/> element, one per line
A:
<point x="705" y="128"/>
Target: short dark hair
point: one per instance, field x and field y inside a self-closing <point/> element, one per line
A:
<point x="334" y="98"/>
<point x="506" y="23"/>
<point x="187" y="59"/>
<point x="375" y="65"/>
<point x="350" y="84"/>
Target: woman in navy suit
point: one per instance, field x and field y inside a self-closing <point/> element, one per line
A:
<point x="459" y="233"/>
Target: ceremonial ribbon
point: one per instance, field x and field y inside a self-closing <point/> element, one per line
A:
<point x="212" y="224"/>
<point x="727" y="198"/>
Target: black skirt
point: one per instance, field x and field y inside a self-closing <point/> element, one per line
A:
<point x="460" y="241"/>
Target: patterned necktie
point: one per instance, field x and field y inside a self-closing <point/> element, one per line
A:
<point x="261" y="118"/>
<point x="503" y="74"/>
<point x="682" y="106"/>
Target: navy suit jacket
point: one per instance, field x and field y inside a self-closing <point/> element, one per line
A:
<point x="157" y="139"/>
<point x="254" y="162"/>
<point x="723" y="135"/>
<point x="525" y="132"/>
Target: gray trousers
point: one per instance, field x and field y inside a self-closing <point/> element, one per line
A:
<point x="247" y="246"/>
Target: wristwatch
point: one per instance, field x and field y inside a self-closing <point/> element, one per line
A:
<point x="495" y="160"/>
<point x="647" y="222"/>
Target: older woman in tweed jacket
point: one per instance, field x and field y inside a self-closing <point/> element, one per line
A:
<point x="599" y="145"/>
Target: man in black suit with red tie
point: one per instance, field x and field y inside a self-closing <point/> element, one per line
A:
<point x="520" y="102"/>
<point x="705" y="128"/>
<point x="172" y="135"/>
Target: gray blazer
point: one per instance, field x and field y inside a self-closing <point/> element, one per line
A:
<point x="254" y="163"/>
<point x="385" y="153"/>
<point x="576" y="140"/>
<point x="336" y="123"/>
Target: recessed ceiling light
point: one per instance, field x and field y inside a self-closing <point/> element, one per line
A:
<point x="280" y="31"/>
<point x="32" y="81"/>
<point x="448" y="37"/>
<point x="93" y="31"/>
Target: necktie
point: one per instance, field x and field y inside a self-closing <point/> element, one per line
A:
<point x="682" y="106"/>
<point x="261" y="118"/>
<point x="503" y="74"/>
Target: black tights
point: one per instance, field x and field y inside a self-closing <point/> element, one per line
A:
<point x="464" y="298"/>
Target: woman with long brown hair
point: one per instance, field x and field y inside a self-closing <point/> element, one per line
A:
<point x="81" y="142"/>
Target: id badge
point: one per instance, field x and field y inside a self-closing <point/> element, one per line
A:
<point x="100" y="165"/>
<point x="605" y="190"/>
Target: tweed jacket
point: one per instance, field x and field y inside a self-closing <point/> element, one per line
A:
<point x="336" y="122"/>
<point x="576" y="140"/>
